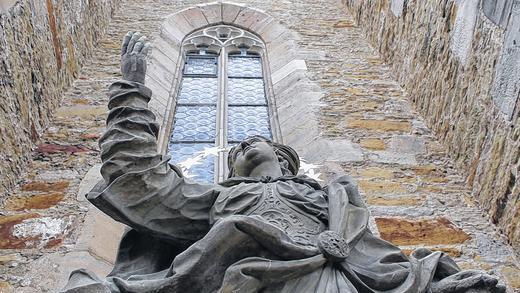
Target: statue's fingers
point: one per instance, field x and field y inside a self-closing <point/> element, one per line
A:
<point x="139" y="45"/>
<point x="146" y="48"/>
<point x="132" y="42"/>
<point x="126" y="41"/>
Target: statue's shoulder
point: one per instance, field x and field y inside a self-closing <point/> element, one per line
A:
<point x="343" y="179"/>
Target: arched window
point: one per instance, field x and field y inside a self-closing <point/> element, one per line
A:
<point x="221" y="100"/>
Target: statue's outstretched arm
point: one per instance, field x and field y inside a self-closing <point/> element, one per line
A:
<point x="140" y="188"/>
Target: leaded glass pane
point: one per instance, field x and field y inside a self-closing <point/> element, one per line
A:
<point x="246" y="91"/>
<point x="198" y="90"/>
<point x="191" y="159"/>
<point x="201" y="65"/>
<point x="245" y="121"/>
<point x="194" y="123"/>
<point x="244" y="67"/>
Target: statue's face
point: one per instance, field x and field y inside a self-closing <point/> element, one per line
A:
<point x="255" y="156"/>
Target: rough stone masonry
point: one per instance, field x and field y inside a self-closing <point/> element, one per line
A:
<point x="460" y="63"/>
<point x="417" y="193"/>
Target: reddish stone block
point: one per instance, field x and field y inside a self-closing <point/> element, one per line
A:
<point x="7" y="240"/>
<point x="27" y="231"/>
<point x="91" y="136"/>
<point x="60" y="186"/>
<point x="43" y="201"/>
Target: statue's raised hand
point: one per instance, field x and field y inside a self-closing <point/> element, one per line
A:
<point x="133" y="57"/>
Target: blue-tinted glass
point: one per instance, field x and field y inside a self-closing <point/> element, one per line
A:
<point x="194" y="123"/>
<point x="244" y="67"/>
<point x="246" y="91"/>
<point x="199" y="65"/>
<point x="246" y="121"/>
<point x="194" y="165"/>
<point x="198" y="90"/>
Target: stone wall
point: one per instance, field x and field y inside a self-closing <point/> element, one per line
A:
<point x="43" y="46"/>
<point x="459" y="63"/>
<point x="366" y="128"/>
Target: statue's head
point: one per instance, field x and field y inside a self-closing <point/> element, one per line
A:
<point x="258" y="155"/>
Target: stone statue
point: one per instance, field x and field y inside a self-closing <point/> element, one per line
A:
<point x="265" y="229"/>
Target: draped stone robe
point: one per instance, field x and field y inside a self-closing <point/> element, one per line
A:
<point x="191" y="237"/>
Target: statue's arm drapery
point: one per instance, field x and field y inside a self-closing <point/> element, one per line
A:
<point x="141" y="188"/>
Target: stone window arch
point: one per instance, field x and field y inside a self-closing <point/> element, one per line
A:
<point x="293" y="98"/>
<point x="221" y="100"/>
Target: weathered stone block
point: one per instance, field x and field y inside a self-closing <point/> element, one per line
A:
<point x="5" y="287"/>
<point x="408" y="144"/>
<point x="381" y="187"/>
<point x="373" y="144"/>
<point x="464" y="27"/>
<point x="387" y="157"/>
<point x="32" y="231"/>
<point x="512" y="274"/>
<point x="212" y="12"/>
<point x="46" y="186"/>
<point x="44" y="201"/>
<point x="380" y="125"/>
<point x="394" y="201"/>
<point x="230" y="11"/>
<point x="397" y="7"/>
<point x="420" y="232"/>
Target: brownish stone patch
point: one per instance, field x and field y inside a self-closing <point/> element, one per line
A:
<point x="51" y="148"/>
<point x="4" y="259"/>
<point x="71" y="54"/>
<point x="474" y="266"/>
<point x="7" y="241"/>
<point x="6" y="287"/>
<point x="81" y="101"/>
<point x="380" y="125"/>
<point x="375" y="172"/>
<point x="54" y="32"/>
<point x="429" y="188"/>
<point x="513" y="276"/>
<point x="81" y="111"/>
<point x="424" y="169"/>
<point x="375" y="144"/>
<point x="380" y="187"/>
<point x="91" y="136"/>
<point x="394" y="201"/>
<point x="44" y="201"/>
<point x="60" y="186"/>
<point x="344" y="24"/>
<point x="425" y="232"/>
<point x="435" y="179"/>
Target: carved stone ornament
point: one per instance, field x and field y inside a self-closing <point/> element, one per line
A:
<point x="214" y="38"/>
